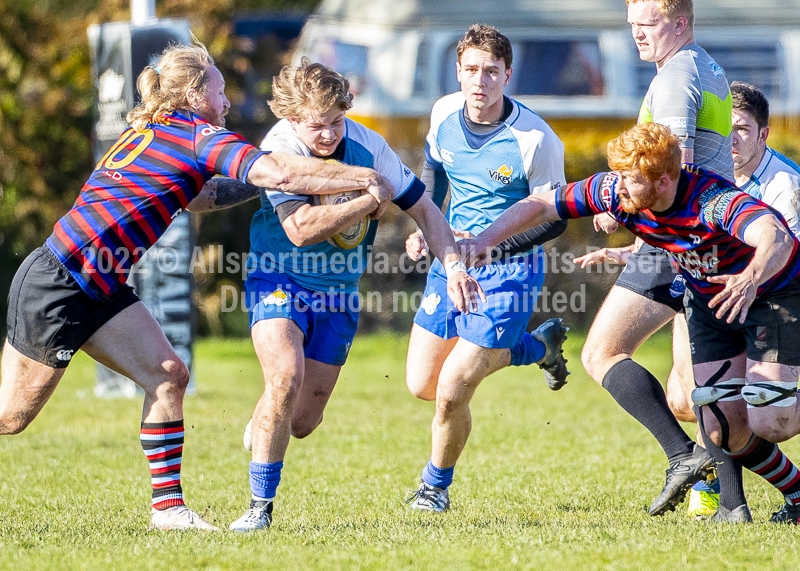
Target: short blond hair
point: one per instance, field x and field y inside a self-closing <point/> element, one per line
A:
<point x="308" y="87"/>
<point x="671" y="9"/>
<point x="163" y="86"/>
<point x="649" y="148"/>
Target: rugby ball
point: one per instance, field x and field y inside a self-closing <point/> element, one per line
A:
<point x="350" y="237"/>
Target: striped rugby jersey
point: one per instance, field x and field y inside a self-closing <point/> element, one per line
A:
<point x="136" y="190"/>
<point x="702" y="231"/>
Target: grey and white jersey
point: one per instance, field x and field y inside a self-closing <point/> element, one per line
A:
<point x="691" y="96"/>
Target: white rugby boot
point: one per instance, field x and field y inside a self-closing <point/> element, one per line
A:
<point x="258" y="516"/>
<point x="429" y="498"/>
<point x="177" y="518"/>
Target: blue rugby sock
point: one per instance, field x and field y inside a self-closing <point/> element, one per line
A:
<point x="528" y="351"/>
<point x="264" y="479"/>
<point x="437" y="477"/>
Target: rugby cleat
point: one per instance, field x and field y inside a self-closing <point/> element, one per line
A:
<point x="736" y="515"/>
<point x="258" y="516"/>
<point x="553" y="334"/>
<point x="703" y="503"/>
<point x="429" y="498"/>
<point x="178" y="518"/>
<point x="680" y="477"/>
<point x="787" y="514"/>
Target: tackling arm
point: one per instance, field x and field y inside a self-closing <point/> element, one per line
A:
<point x="304" y="175"/>
<point x="434" y="226"/>
<point x="222" y="192"/>
<point x="312" y="224"/>
<point x="534" y="210"/>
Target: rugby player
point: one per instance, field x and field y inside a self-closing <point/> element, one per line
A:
<point x="493" y="152"/>
<point x="690" y="95"/>
<point x="740" y="262"/>
<point x="775" y="180"/>
<point x="304" y="307"/>
<point x="72" y="294"/>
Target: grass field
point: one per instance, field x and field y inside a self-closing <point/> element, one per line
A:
<point x="548" y="480"/>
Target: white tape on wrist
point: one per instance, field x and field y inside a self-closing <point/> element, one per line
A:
<point x="454" y="267"/>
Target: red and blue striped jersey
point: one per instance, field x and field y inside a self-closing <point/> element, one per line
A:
<point x="144" y="181"/>
<point x="702" y="231"/>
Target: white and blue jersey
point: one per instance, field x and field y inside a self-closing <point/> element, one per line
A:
<point x="316" y="286"/>
<point x="776" y="182"/>
<point x="488" y="173"/>
<point x="323" y="266"/>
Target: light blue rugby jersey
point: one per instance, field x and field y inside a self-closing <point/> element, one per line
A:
<point x="776" y="182"/>
<point x="323" y="266"/>
<point x="489" y="173"/>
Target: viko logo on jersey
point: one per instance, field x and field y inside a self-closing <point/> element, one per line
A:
<point x="502" y="175"/>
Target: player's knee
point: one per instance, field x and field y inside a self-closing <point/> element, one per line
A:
<point x="769" y="430"/>
<point x="592" y="362"/>
<point x="447" y="405"/>
<point x="424" y="390"/>
<point x="177" y="375"/>
<point x="173" y="378"/>
<point x="282" y="391"/>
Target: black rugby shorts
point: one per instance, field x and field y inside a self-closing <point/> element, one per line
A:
<point x="769" y="334"/>
<point x="49" y="316"/>
<point x="650" y="273"/>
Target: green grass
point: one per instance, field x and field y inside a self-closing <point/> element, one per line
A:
<point x="547" y="481"/>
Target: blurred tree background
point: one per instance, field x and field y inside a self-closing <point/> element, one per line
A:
<point x="46" y="116"/>
<point x="47" y="106"/>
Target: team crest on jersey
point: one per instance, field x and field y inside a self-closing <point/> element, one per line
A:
<point x="502" y="175"/>
<point x="714" y="202"/>
<point x="277" y="298"/>
<point x="678" y="286"/>
<point x="430" y="303"/>
<point x="716" y="70"/>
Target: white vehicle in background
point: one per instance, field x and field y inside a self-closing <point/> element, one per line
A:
<point x="574" y="62"/>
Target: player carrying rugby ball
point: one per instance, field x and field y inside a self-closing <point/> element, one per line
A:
<point x="303" y="291"/>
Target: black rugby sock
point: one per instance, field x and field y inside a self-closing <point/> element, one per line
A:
<point x="642" y="396"/>
<point x="729" y="472"/>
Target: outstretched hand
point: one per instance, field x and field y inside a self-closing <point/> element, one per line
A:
<point x="613" y="255"/>
<point x="737" y="297"/>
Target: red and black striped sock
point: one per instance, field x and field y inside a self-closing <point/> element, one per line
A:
<point x="766" y="459"/>
<point x="163" y="445"/>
